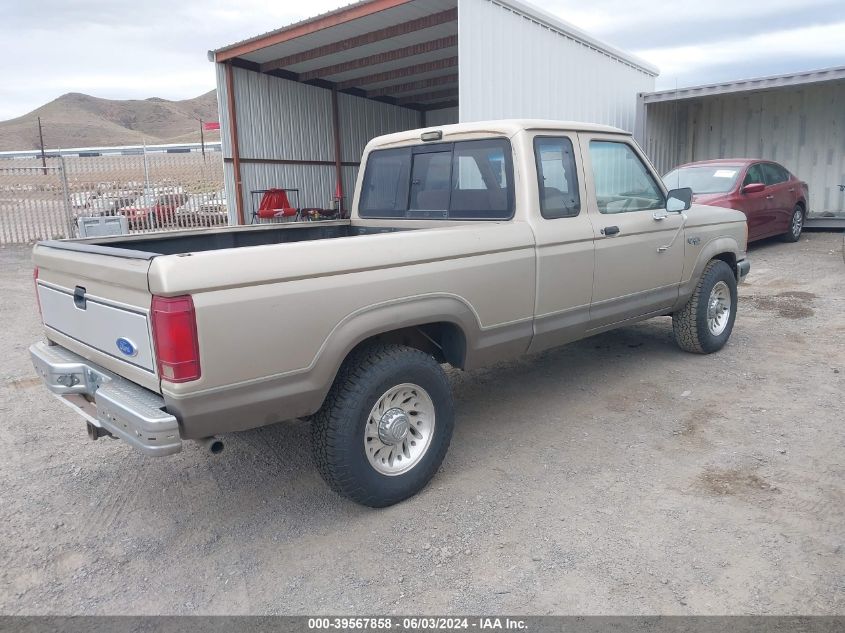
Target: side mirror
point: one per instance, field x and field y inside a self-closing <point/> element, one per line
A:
<point x="678" y="200"/>
<point x="754" y="187"/>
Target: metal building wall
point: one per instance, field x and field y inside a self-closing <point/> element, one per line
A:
<point x="444" y="116"/>
<point x="803" y="128"/>
<point x="515" y="66"/>
<point x="282" y="120"/>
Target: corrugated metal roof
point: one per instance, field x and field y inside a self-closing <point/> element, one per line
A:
<point x="747" y="85"/>
<point x="402" y="12"/>
<point x="287" y="27"/>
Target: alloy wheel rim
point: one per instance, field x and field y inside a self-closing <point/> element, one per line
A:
<point x="797" y="222"/>
<point x="399" y="429"/>
<point x="719" y="308"/>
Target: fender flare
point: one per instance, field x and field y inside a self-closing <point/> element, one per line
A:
<point x="377" y="319"/>
<point x="716" y="246"/>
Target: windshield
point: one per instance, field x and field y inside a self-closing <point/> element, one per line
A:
<point x="704" y="178"/>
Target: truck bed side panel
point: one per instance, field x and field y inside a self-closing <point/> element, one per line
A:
<point x="273" y="333"/>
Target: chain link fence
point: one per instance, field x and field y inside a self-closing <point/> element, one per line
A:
<point x="154" y="191"/>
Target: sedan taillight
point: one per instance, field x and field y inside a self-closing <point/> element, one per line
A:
<point x="175" y="338"/>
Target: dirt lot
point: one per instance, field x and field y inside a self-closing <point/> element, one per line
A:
<point x="616" y="475"/>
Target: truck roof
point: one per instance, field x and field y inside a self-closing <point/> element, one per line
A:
<point x="501" y="127"/>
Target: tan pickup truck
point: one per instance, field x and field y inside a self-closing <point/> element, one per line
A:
<point x="467" y="244"/>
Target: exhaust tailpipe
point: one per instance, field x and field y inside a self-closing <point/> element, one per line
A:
<point x="96" y="432"/>
<point x="213" y="445"/>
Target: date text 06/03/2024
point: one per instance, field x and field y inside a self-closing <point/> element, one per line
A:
<point x="417" y="623"/>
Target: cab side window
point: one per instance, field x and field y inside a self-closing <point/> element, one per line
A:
<point x="754" y="175"/>
<point x="556" y="177"/>
<point x="622" y="182"/>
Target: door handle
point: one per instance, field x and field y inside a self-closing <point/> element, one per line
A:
<point x="770" y="197"/>
<point x="609" y="231"/>
<point x="791" y="189"/>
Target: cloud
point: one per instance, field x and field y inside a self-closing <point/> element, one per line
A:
<point x="758" y="51"/>
<point x="124" y="49"/>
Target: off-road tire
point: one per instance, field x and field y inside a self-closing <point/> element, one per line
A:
<point x="689" y="324"/>
<point x="791" y="235"/>
<point x="337" y="429"/>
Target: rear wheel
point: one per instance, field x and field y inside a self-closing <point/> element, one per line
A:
<point x="705" y="323"/>
<point x="385" y="427"/>
<point x="796" y="225"/>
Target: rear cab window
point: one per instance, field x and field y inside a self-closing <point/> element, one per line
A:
<point x="464" y="180"/>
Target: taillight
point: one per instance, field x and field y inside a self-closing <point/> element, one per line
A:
<point x="175" y="338"/>
<point x="37" y="298"/>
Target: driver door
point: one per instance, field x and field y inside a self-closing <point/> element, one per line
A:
<point x="638" y="259"/>
<point x="757" y="207"/>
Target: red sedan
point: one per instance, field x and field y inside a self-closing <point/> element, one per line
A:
<point x="773" y="200"/>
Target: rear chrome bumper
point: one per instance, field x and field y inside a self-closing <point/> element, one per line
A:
<point x="124" y="409"/>
<point x="743" y="267"/>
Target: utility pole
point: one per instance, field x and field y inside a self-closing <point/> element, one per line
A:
<point x="202" y="140"/>
<point x="41" y="140"/>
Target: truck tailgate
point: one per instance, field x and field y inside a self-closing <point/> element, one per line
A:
<point x="96" y="302"/>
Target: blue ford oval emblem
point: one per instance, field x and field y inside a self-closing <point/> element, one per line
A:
<point x="126" y="347"/>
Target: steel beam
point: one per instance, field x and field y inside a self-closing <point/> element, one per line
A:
<point x="399" y="73"/>
<point x="381" y="58"/>
<point x="337" y="152"/>
<point x="414" y="86"/>
<point x="341" y="16"/>
<point x="233" y="136"/>
<point x="396" y="30"/>
<point x="437" y="95"/>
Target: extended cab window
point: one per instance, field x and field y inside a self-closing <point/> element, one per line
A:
<point x="622" y="182"/>
<point x="466" y="180"/>
<point x="556" y="177"/>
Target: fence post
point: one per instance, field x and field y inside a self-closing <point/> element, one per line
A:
<point x="66" y="190"/>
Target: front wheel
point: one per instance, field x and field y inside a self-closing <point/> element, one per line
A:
<point x="705" y="323"/>
<point x="796" y="225"/>
<point x="385" y="426"/>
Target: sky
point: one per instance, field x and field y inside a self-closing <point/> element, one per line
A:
<point x="119" y="49"/>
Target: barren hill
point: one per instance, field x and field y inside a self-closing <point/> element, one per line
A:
<point x="79" y="120"/>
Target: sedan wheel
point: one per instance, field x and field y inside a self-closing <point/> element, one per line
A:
<point x="796" y="225"/>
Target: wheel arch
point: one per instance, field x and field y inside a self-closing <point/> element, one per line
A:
<point x="444" y="326"/>
<point x="723" y="248"/>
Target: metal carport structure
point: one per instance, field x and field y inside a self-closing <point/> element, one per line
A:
<point x="298" y="104"/>
<point x="796" y="119"/>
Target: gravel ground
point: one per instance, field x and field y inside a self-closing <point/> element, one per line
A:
<point x="616" y="475"/>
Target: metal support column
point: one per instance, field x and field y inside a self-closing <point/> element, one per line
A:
<point x="233" y="134"/>
<point x="338" y="166"/>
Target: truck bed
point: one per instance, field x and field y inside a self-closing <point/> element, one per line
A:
<point x="197" y="241"/>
